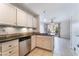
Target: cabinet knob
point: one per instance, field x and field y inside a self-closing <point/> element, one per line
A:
<point x="10" y="45"/>
<point x="10" y="51"/>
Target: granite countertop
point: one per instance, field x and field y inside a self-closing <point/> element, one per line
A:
<point x="37" y="33"/>
<point x="9" y="37"/>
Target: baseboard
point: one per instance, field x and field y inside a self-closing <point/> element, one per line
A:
<point x="30" y="51"/>
<point x="35" y="48"/>
<point x="65" y="38"/>
<point x="27" y="53"/>
<point x="44" y="49"/>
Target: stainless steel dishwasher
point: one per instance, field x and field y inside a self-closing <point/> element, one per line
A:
<point x="25" y="45"/>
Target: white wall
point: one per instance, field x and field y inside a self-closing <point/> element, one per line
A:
<point x="65" y="29"/>
<point x="74" y="33"/>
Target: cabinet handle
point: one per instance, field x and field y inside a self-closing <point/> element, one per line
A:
<point x="10" y="45"/>
<point x="10" y="51"/>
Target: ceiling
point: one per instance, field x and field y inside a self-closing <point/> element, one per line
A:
<point x="55" y="11"/>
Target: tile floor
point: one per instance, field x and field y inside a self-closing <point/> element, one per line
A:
<point x="40" y="52"/>
<point x="61" y="48"/>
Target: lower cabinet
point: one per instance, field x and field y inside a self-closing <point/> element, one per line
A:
<point x="33" y="42"/>
<point x="11" y="52"/>
<point x="42" y="41"/>
<point x="10" y="48"/>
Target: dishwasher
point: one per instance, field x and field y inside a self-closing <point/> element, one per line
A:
<point x="25" y="45"/>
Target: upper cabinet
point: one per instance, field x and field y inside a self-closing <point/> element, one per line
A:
<point x="21" y="18"/>
<point x="29" y="21"/>
<point x="7" y="14"/>
<point x="10" y="15"/>
<point x="24" y="19"/>
<point x="34" y="22"/>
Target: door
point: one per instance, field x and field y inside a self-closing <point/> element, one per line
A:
<point x="29" y="21"/>
<point x="21" y="18"/>
<point x="33" y="42"/>
<point x="7" y="14"/>
<point x="44" y="42"/>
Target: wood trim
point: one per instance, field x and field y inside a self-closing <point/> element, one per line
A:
<point x="44" y="49"/>
<point x="35" y="48"/>
<point x="26" y="54"/>
<point x="30" y="51"/>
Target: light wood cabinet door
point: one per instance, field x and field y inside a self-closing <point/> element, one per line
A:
<point x="21" y="18"/>
<point x="29" y="21"/>
<point x="7" y="14"/>
<point x="11" y="52"/>
<point x="8" y="45"/>
<point x="10" y="48"/>
<point x="33" y="42"/>
<point x="44" y="42"/>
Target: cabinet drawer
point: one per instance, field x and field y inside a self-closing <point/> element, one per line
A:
<point x="8" y="45"/>
<point x="11" y="52"/>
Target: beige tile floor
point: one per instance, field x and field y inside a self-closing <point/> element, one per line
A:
<point x="40" y="52"/>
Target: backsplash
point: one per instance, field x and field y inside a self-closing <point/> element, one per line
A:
<point x="11" y="30"/>
<point x="2" y="31"/>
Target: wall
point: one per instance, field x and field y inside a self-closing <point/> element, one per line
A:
<point x="65" y="29"/>
<point x="75" y="33"/>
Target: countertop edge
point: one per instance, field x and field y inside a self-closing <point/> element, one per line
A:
<point x="25" y="35"/>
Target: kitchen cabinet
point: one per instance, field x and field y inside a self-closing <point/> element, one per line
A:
<point x="11" y="52"/>
<point x="34" y="22"/>
<point x="33" y="42"/>
<point x="21" y="18"/>
<point x="45" y="42"/>
<point x="10" y="48"/>
<point x="42" y="41"/>
<point x="7" y="14"/>
<point x="29" y="21"/>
